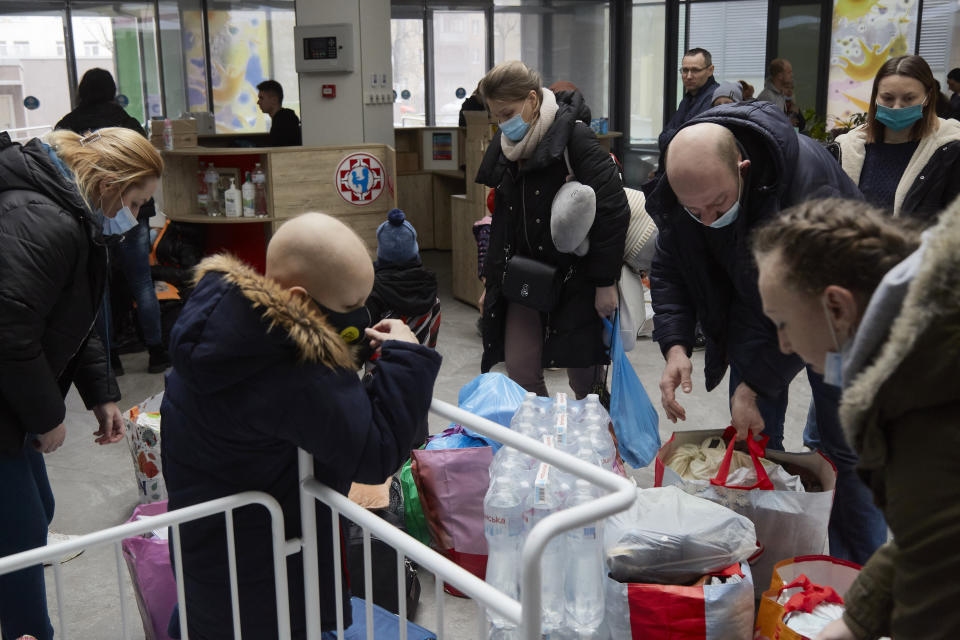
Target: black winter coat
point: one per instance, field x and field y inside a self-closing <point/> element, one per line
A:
<point x="53" y="265"/>
<point x="105" y="114"/>
<point x="257" y="373"/>
<point x="521" y="225"/>
<point x="709" y="274"/>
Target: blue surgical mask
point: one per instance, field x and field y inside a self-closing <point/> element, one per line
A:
<point x="120" y="223"/>
<point x="833" y="364"/>
<point x="516" y="127"/>
<point x="731" y="214"/>
<point x="899" y="119"/>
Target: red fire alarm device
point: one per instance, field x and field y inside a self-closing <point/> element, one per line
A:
<point x="328" y="91"/>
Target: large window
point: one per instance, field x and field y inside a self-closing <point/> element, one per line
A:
<point x="562" y="39"/>
<point x="940" y="37"/>
<point x="409" y="107"/>
<point x="735" y="34"/>
<point x="121" y="38"/>
<point x="646" y="72"/>
<point x="34" y="88"/>
<point x="457" y="37"/>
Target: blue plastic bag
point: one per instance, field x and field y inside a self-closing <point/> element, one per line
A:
<point x="635" y="419"/>
<point x="493" y="396"/>
<point x="454" y="437"/>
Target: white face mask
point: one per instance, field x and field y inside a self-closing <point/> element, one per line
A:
<point x="833" y="364"/>
<point x="119" y="224"/>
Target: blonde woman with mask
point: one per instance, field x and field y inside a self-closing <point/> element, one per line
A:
<point x="904" y="159"/>
<point x="853" y="294"/>
<point x="62" y="199"/>
<point x="526" y="164"/>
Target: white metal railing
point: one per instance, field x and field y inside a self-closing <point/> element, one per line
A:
<point x="526" y="612"/>
<point x="281" y="549"/>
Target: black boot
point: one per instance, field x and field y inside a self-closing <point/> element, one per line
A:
<point x="159" y="359"/>
<point x="115" y="364"/>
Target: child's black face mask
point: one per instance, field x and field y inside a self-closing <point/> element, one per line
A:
<point x="349" y="325"/>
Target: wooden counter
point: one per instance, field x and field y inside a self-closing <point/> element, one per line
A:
<point x="299" y="179"/>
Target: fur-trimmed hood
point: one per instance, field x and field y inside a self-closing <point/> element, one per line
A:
<point x="239" y="322"/>
<point x="917" y="366"/>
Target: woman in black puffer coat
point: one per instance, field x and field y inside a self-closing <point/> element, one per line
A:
<point x="58" y="199"/>
<point x="526" y="166"/>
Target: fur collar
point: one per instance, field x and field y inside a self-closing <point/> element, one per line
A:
<point x="853" y="151"/>
<point x="307" y="328"/>
<point x="932" y="299"/>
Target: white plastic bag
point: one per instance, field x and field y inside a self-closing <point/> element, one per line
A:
<point x="143" y="438"/>
<point x="670" y="537"/>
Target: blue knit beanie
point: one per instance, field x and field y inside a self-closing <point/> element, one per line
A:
<point x="397" y="239"/>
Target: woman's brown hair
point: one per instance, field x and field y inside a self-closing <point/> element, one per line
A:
<point x="110" y="157"/>
<point x="911" y="67"/>
<point x="510" y="81"/>
<point x="836" y="242"/>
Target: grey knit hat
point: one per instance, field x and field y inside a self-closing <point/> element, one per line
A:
<point x="731" y="90"/>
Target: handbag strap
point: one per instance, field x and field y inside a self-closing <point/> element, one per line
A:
<point x="566" y="159"/>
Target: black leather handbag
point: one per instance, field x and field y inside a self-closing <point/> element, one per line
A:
<point x="532" y="283"/>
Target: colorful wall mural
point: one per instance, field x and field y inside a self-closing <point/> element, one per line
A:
<point x="240" y="59"/>
<point x="866" y="33"/>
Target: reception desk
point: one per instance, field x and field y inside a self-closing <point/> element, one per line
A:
<point x="354" y="183"/>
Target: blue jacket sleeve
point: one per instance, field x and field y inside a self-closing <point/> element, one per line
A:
<point x="675" y="315"/>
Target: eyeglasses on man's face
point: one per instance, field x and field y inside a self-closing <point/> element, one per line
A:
<point x="690" y="71"/>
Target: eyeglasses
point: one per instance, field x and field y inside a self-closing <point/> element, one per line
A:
<point x="689" y="71"/>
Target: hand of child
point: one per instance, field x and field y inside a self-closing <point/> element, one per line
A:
<point x="391" y="329"/>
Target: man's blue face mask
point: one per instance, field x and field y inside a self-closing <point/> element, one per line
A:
<point x="119" y="224"/>
<point x="730" y="216"/>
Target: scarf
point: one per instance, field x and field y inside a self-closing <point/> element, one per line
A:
<point x="524" y="149"/>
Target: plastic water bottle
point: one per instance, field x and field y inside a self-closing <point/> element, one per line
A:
<point x="566" y="482"/>
<point x="259" y="192"/>
<point x="601" y="442"/>
<point x="503" y="528"/>
<point x="542" y="503"/>
<point x="212" y="178"/>
<point x="203" y="195"/>
<point x="167" y="134"/>
<point x="583" y="598"/>
<point x="248" y="192"/>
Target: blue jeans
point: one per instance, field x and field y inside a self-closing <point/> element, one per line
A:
<point x="133" y="258"/>
<point x="773" y="410"/>
<point x="857" y="527"/>
<point x="26" y="509"/>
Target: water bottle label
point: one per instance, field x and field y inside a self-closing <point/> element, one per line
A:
<point x="540" y="484"/>
<point x="590" y="533"/>
<point x="561" y="429"/>
<point x="548" y="440"/>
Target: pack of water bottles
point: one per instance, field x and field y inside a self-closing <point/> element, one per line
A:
<point x="524" y="490"/>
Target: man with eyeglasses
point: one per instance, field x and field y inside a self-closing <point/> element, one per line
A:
<point x="725" y="173"/>
<point x="696" y="72"/>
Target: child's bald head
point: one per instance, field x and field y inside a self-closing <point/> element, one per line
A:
<point x="321" y="255"/>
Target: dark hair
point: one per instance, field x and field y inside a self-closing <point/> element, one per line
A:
<point x="836" y="242"/>
<point x="777" y="66"/>
<point x="96" y="86"/>
<point x="707" y="58"/>
<point x="271" y="86"/>
<point x="911" y="67"/>
<point x="954" y="74"/>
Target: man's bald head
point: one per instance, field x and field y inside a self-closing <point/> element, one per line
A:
<point x="324" y="257"/>
<point x="703" y="169"/>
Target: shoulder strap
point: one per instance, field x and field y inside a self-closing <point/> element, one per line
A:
<point x="566" y="158"/>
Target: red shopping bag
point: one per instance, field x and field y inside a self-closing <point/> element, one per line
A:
<point x="788" y="523"/>
<point x="671" y="612"/>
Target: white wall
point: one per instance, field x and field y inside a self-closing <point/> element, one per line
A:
<point x="346" y="119"/>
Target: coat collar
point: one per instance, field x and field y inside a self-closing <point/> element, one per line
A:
<point x="315" y="339"/>
<point x="853" y="151"/>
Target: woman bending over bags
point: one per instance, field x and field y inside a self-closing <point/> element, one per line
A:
<point x="527" y="164"/>
<point x="59" y="200"/>
<point x="852" y="294"/>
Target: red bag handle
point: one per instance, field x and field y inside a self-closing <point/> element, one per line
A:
<point x="756" y="449"/>
<point x="811" y="596"/>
